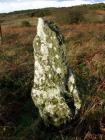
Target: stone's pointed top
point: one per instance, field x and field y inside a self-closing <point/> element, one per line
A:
<point x="40" y="29"/>
<point x="51" y="27"/>
<point x="40" y="22"/>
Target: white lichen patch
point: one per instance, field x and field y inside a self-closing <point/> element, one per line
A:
<point x="77" y="101"/>
<point x="55" y="49"/>
<point x="50" y="45"/>
<point x="49" y="75"/>
<point x="71" y="79"/>
<point x="58" y="70"/>
<point x="57" y="56"/>
<point x="47" y="68"/>
<point x="44" y="49"/>
<point x="38" y="67"/>
<point x="71" y="88"/>
<point x="54" y="37"/>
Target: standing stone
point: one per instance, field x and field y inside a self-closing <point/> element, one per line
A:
<point x="54" y="82"/>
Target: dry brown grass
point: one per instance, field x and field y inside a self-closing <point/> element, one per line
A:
<point x="86" y="55"/>
<point x="16" y="29"/>
<point x="100" y="12"/>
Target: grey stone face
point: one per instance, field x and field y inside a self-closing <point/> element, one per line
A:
<point x="52" y="77"/>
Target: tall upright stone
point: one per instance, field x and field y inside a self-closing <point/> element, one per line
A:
<point x="54" y="83"/>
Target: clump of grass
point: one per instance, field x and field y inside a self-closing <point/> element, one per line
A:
<point x="9" y="37"/>
<point x="25" y="24"/>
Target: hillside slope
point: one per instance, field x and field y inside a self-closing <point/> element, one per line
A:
<point x="84" y="30"/>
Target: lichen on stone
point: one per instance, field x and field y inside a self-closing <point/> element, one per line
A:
<point x="52" y="76"/>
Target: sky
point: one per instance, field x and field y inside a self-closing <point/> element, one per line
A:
<point x="14" y="5"/>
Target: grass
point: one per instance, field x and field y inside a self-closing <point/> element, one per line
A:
<point x="85" y="45"/>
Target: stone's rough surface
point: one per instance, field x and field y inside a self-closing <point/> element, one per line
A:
<point x="53" y="80"/>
